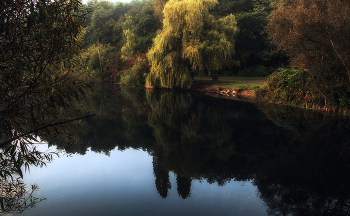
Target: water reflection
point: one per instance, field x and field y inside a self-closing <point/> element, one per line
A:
<point x="162" y="178"/>
<point x="183" y="186"/>
<point x="299" y="160"/>
<point x="291" y="155"/>
<point x="15" y="196"/>
<point x="312" y="178"/>
<point x="28" y="112"/>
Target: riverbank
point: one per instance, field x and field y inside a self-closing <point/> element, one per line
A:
<point x="246" y="87"/>
<point x="228" y="87"/>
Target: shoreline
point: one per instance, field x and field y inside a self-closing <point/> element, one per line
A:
<point x="206" y="85"/>
<point x="213" y="88"/>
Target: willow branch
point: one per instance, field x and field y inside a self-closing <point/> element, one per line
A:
<point x="43" y="127"/>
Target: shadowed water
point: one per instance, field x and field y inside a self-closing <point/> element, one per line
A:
<point x="176" y="153"/>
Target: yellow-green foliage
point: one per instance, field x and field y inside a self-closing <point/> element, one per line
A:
<point x="136" y="75"/>
<point x="92" y="62"/>
<point x="181" y="133"/>
<point x="129" y="47"/>
<point x="191" y="41"/>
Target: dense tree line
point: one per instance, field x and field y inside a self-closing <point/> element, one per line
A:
<point x="181" y="39"/>
<point x="167" y="43"/>
<point x="130" y="28"/>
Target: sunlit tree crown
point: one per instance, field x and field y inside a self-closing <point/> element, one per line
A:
<point x="191" y="41"/>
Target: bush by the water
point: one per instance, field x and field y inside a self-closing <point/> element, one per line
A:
<point x="295" y="87"/>
<point x="290" y="86"/>
<point x="137" y="74"/>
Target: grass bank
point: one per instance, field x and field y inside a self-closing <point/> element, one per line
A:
<point x="231" y="78"/>
<point x="252" y="86"/>
<point x="288" y="87"/>
<point x="294" y="87"/>
<point x="244" y="87"/>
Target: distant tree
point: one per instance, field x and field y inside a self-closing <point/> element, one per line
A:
<point x="129" y="47"/>
<point x="101" y="13"/>
<point x="226" y="7"/>
<point x="315" y="34"/>
<point x="139" y="30"/>
<point x="103" y="24"/>
<point x="253" y="47"/>
<point x="158" y="10"/>
<point x="136" y="74"/>
<point x="93" y="63"/>
<point x="251" y="42"/>
<point x="112" y="33"/>
<point x="191" y="41"/>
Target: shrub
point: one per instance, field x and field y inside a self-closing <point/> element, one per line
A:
<point x="115" y="67"/>
<point x="136" y="75"/>
<point x="290" y="86"/>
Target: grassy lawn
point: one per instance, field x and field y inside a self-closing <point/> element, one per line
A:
<point x="245" y="78"/>
<point x="241" y="85"/>
<point x="244" y="85"/>
<point x="233" y="77"/>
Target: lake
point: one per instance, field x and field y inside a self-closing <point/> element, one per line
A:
<point x="183" y="153"/>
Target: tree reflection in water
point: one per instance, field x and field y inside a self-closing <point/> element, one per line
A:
<point x="162" y="178"/>
<point x="183" y="186"/>
<point x="299" y="161"/>
<point x="313" y="177"/>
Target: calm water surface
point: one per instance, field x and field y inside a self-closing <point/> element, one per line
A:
<point x="124" y="184"/>
<point x="178" y="153"/>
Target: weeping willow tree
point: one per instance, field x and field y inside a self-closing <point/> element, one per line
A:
<point x="191" y="41"/>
